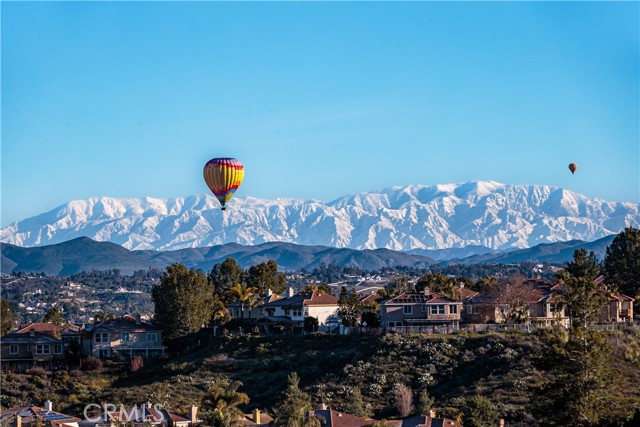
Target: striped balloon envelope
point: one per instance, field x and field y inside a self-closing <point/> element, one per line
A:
<point x="223" y="176"/>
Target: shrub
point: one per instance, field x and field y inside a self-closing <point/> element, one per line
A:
<point x="136" y="363"/>
<point x="91" y="364"/>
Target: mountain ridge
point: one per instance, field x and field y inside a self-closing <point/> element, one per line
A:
<point x="85" y="254"/>
<point x="408" y="218"/>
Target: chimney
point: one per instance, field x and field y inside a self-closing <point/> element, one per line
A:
<point x="501" y="422"/>
<point x="18" y="421"/>
<point x="48" y="405"/>
<point x="193" y="414"/>
<point x="290" y="292"/>
<point x="432" y="413"/>
<point x="256" y="416"/>
<point x="426" y="290"/>
<point x="138" y="319"/>
<point x="323" y="406"/>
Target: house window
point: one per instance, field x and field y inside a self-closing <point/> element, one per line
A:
<point x="469" y="309"/>
<point x="101" y="337"/>
<point x="407" y="309"/>
<point x="297" y="312"/>
<point x="124" y="337"/>
<point x="554" y="307"/>
<point x="437" y="309"/>
<point x="286" y="311"/>
<point x="424" y="308"/>
<point x="476" y="309"/>
<point x="57" y="349"/>
<point x="43" y="349"/>
<point x="29" y="348"/>
<point x="453" y="309"/>
<point x="152" y="337"/>
<point x="13" y="349"/>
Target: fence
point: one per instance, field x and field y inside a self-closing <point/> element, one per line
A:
<point x="476" y="327"/>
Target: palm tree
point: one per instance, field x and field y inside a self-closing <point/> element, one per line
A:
<point x="244" y="295"/>
<point x="222" y="401"/>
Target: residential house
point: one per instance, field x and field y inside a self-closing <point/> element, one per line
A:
<point x="332" y="418"/>
<point x="124" y="336"/>
<point x="430" y="420"/>
<point x="256" y="419"/>
<point x="619" y="308"/>
<point x="255" y="312"/>
<point x="19" y="352"/>
<point x="32" y="416"/>
<point x="148" y="415"/>
<point x="294" y="308"/>
<point x="290" y="309"/>
<point x="420" y="309"/>
<point x="540" y="298"/>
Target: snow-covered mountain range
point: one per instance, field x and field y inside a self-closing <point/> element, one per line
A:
<point x="490" y="214"/>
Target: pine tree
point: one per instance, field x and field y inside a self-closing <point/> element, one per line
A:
<point x="7" y="317"/>
<point x="622" y="262"/>
<point x="481" y="412"/>
<point x="54" y="316"/>
<point x="295" y="403"/>
<point x="355" y="405"/>
<point x="585" y="390"/>
<point x="425" y="402"/>
<point x="183" y="301"/>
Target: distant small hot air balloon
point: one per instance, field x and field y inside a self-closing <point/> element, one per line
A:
<point x="223" y="176"/>
<point x="573" y="167"/>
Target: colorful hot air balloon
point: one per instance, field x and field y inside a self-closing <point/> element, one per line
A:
<point x="223" y="177"/>
<point x="573" y="167"/>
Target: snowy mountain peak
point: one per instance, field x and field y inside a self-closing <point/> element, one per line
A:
<point x="478" y="213"/>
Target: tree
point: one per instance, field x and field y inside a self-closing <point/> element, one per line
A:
<point x="265" y="276"/>
<point x="404" y="400"/>
<point x="348" y="307"/>
<point x="294" y="404"/>
<point x="7" y="317"/>
<point x="401" y="285"/>
<point x="439" y="283"/>
<point x="243" y="294"/>
<point x="355" y="405"/>
<point x="183" y="301"/>
<point x="485" y="285"/>
<point x="311" y="324"/>
<point x="224" y="276"/>
<point x="583" y="297"/>
<point x="622" y="262"/>
<point x="54" y="316"/>
<point x="425" y="402"/>
<point x="322" y="289"/>
<point x="221" y="403"/>
<point x="512" y="298"/>
<point x="584" y="391"/>
<point x="481" y="412"/>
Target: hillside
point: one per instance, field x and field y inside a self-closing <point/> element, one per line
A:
<point x="480" y="214"/>
<point x="84" y="254"/>
<point x="505" y="367"/>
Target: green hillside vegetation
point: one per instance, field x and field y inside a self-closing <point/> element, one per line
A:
<point x="508" y="369"/>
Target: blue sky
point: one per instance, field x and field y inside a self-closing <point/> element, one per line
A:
<point x="317" y="100"/>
